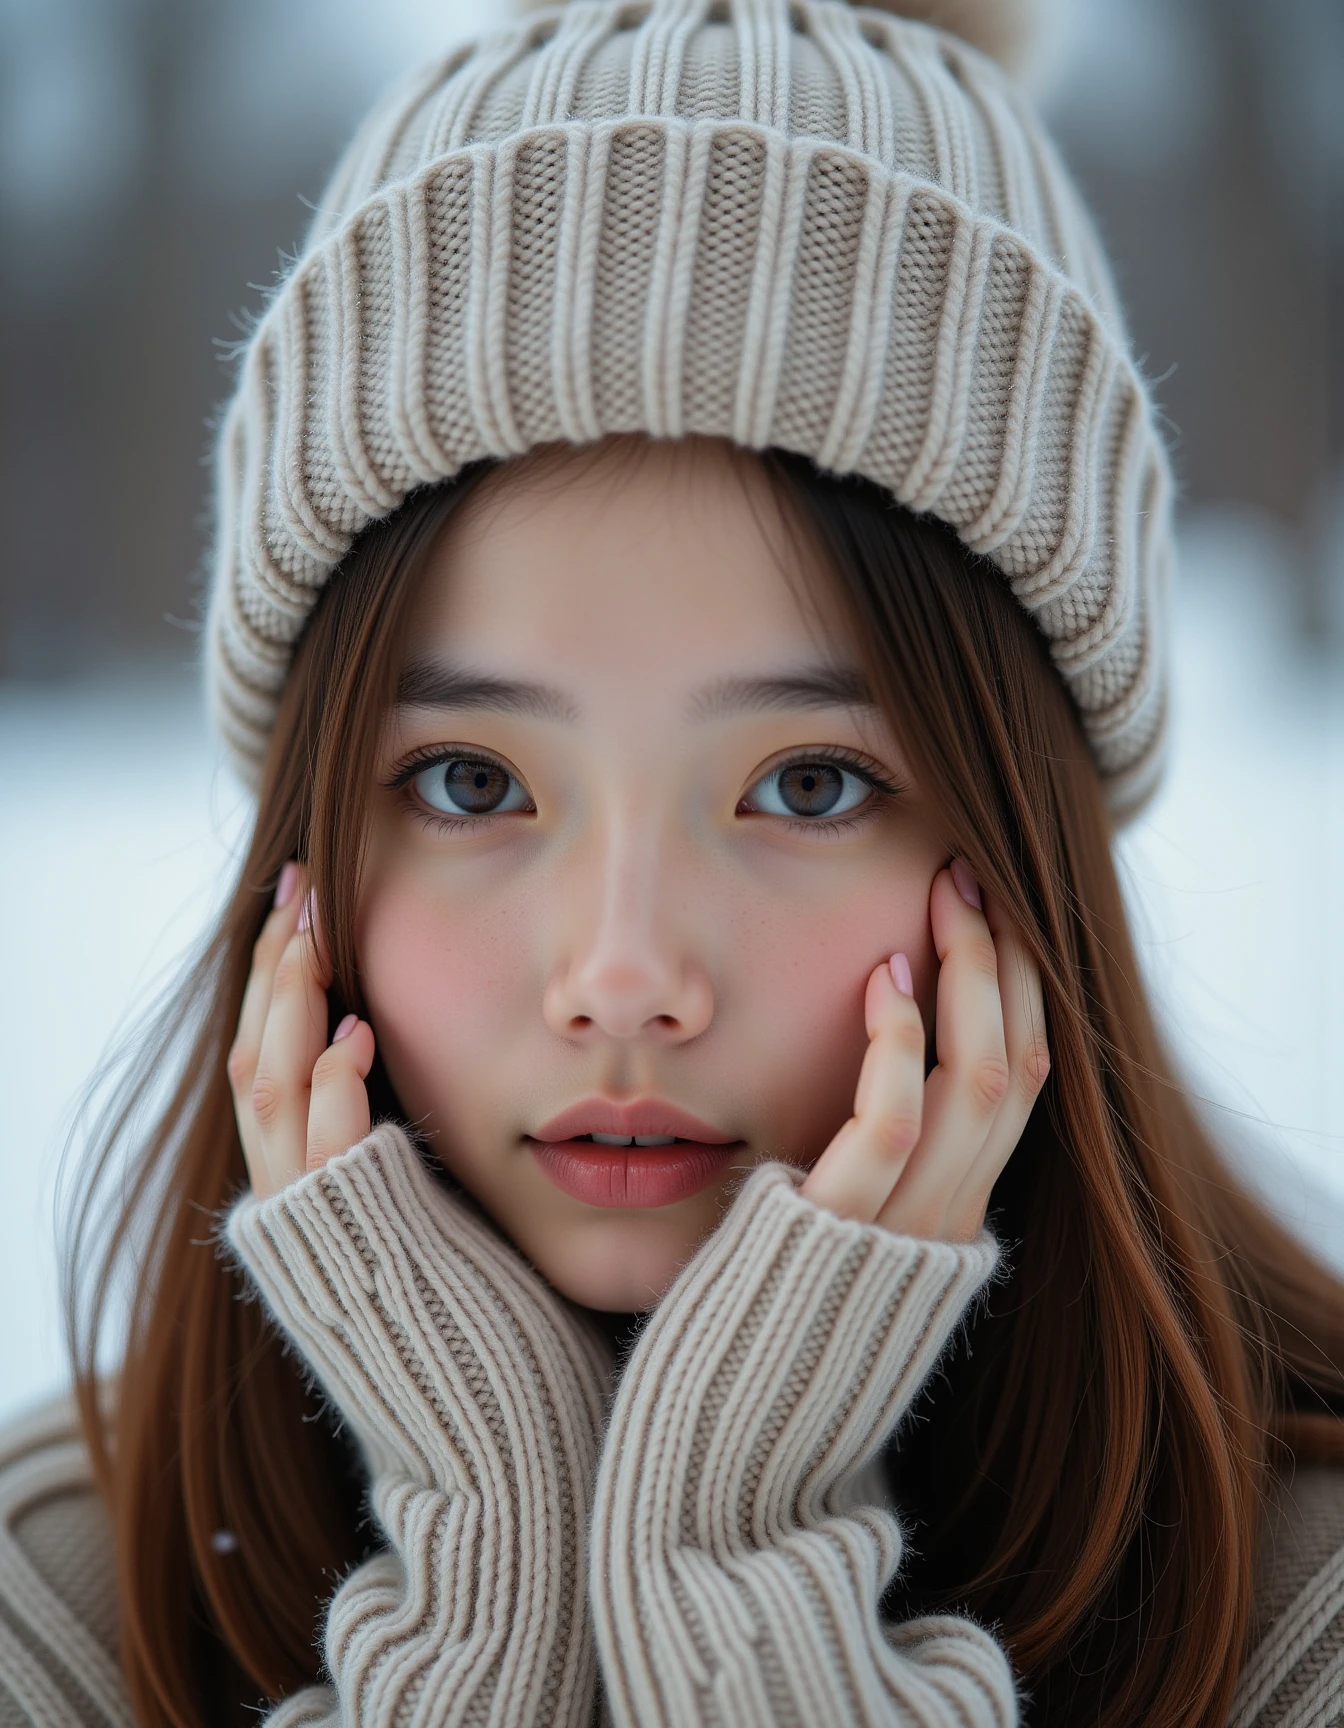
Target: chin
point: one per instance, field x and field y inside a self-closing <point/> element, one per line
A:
<point x="623" y="1267"/>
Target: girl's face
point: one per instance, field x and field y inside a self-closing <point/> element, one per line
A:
<point x="636" y="845"/>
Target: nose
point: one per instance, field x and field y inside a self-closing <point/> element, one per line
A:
<point x="625" y="971"/>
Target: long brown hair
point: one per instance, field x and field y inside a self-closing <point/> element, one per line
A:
<point x="1089" y="1481"/>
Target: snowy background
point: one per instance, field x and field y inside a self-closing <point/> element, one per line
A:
<point x="150" y="154"/>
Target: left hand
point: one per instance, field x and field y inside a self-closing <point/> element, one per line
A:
<point x="298" y="1099"/>
<point x="920" y="1156"/>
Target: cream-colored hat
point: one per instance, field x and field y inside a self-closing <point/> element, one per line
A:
<point x="783" y="222"/>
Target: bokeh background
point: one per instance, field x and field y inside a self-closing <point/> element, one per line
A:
<point x="156" y="160"/>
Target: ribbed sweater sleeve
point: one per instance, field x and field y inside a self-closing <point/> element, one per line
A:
<point x="477" y="1397"/>
<point x="736" y="1579"/>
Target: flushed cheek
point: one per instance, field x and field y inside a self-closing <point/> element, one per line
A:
<point x="440" y="993"/>
<point x="802" y="1022"/>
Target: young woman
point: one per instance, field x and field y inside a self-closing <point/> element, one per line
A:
<point x="673" y="1208"/>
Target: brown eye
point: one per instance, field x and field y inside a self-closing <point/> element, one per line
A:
<point x="469" y="786"/>
<point x="817" y="788"/>
<point x="811" y="788"/>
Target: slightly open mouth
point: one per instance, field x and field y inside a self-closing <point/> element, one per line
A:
<point x="632" y="1170"/>
<point x="633" y="1139"/>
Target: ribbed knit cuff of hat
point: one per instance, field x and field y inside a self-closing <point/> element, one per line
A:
<point x="477" y="1396"/>
<point x="792" y="224"/>
<point x="733" y="1580"/>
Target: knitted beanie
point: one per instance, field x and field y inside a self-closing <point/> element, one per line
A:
<point x="787" y="223"/>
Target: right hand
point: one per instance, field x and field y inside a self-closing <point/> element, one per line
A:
<point x="298" y="1100"/>
<point x="920" y="1155"/>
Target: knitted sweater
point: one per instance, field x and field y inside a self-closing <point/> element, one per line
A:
<point x="710" y="1550"/>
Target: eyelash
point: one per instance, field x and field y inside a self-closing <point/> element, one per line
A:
<point x="862" y="767"/>
<point x="429" y="757"/>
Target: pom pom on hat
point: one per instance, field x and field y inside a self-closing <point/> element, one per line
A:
<point x="1007" y="30"/>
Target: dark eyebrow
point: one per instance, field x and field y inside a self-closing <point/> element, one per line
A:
<point x="809" y="687"/>
<point x="442" y="684"/>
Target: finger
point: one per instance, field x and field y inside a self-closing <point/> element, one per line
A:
<point x="279" y="926"/>
<point x="1028" y="1051"/>
<point x="338" y="1109"/>
<point x="294" y="1037"/>
<point x="857" y="1171"/>
<point x="966" y="1088"/>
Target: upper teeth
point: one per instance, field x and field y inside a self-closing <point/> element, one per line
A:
<point x="635" y="1139"/>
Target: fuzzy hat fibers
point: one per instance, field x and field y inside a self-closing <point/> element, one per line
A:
<point x="783" y="222"/>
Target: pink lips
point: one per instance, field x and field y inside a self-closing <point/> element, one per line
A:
<point x="631" y="1176"/>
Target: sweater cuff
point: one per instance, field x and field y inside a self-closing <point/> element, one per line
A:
<point x="413" y="1312"/>
<point x="798" y="1338"/>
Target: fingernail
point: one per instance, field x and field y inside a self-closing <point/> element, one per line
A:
<point x="967" y="886"/>
<point x="306" y="913"/>
<point x="900" y="974"/>
<point x="345" y="1028"/>
<point x="289" y="881"/>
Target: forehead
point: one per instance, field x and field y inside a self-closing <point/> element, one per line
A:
<point x="632" y="555"/>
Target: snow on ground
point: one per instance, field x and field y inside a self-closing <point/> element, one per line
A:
<point x="1235" y="875"/>
<point x="114" y="840"/>
<point x="120" y="826"/>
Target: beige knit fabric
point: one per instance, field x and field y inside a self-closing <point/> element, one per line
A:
<point x="782" y="222"/>
<point x="477" y="1397"/>
<point x="735" y="1545"/>
<point x="1295" y="1677"/>
<point x="777" y="1363"/>
<point x="735" y="1585"/>
<point x="58" y="1659"/>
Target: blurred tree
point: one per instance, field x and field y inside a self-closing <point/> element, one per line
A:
<point x="114" y="291"/>
<point x="1204" y="139"/>
<point x="152" y="154"/>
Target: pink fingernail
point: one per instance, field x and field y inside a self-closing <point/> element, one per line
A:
<point x="967" y="886"/>
<point x="289" y="881"/>
<point x="306" y="913"/>
<point x="900" y="974"/>
<point x="345" y="1028"/>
